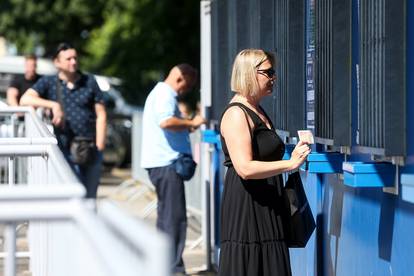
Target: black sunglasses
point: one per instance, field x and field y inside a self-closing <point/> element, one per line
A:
<point x="270" y="73"/>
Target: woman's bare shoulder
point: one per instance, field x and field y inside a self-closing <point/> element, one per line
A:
<point x="233" y="115"/>
<point x="234" y="120"/>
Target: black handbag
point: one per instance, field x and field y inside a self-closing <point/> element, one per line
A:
<point x="82" y="150"/>
<point x="299" y="223"/>
<point x="185" y="166"/>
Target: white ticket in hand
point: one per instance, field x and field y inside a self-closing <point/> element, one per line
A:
<point x="306" y="136"/>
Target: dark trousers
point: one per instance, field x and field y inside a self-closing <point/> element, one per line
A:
<point x="89" y="175"/>
<point x="171" y="210"/>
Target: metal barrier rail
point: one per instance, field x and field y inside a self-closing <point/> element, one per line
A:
<point x="66" y="234"/>
<point x="103" y="243"/>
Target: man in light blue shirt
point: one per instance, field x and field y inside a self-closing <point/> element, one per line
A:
<point x="165" y="136"/>
<point x="161" y="145"/>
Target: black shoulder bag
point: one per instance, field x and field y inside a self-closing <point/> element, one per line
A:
<point x="299" y="222"/>
<point x="185" y="166"/>
<point x="82" y="149"/>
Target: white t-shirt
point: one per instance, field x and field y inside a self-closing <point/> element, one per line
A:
<point x="160" y="147"/>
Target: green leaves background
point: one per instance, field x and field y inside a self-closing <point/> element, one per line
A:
<point x="136" y="40"/>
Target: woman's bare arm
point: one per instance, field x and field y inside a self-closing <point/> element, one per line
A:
<point x="235" y="130"/>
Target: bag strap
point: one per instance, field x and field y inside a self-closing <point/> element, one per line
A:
<point x="59" y="96"/>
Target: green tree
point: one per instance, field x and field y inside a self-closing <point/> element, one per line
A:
<point x="141" y="40"/>
<point x="47" y="22"/>
<point x="136" y="40"/>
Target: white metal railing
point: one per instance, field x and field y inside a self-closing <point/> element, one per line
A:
<point x="67" y="236"/>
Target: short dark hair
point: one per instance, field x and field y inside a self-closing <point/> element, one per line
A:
<point x="30" y="56"/>
<point x="63" y="46"/>
<point x="188" y="71"/>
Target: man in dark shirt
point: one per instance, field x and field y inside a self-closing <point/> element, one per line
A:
<point x="20" y="83"/>
<point x="79" y="111"/>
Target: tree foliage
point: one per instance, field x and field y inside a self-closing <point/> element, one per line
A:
<point x="145" y="39"/>
<point x="47" y="22"/>
<point x="136" y="40"/>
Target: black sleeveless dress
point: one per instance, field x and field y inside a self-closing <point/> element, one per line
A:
<point x="251" y="212"/>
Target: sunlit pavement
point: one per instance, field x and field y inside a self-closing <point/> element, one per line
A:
<point x="137" y="202"/>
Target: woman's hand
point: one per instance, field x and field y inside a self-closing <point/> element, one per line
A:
<point x="299" y="154"/>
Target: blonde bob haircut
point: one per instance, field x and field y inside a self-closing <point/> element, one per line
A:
<point x="243" y="76"/>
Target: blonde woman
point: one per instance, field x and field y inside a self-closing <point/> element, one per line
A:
<point x="251" y="225"/>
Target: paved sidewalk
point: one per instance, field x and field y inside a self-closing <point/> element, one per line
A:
<point x="140" y="203"/>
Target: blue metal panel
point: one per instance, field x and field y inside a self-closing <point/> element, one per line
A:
<point x="366" y="231"/>
<point x="303" y="260"/>
<point x="328" y="162"/>
<point x="400" y="248"/>
<point x="362" y="167"/>
<point x="288" y="151"/>
<point x="359" y="174"/>
<point x="210" y="136"/>
<point x="369" y="180"/>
